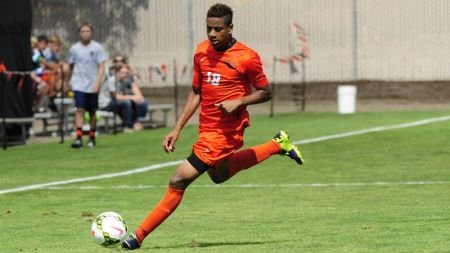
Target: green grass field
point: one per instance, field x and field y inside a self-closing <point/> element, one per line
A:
<point x="355" y="194"/>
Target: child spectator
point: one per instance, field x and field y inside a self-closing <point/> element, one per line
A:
<point x="39" y="75"/>
<point x="87" y="59"/>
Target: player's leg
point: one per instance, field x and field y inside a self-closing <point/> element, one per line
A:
<point x="80" y="105"/>
<point x="244" y="159"/>
<point x="92" y="129"/>
<point x="92" y="108"/>
<point x="42" y="90"/>
<point x="141" y="111"/>
<point x="125" y="110"/>
<point x="180" y="180"/>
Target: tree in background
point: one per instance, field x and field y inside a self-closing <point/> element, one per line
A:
<point x="114" y="22"/>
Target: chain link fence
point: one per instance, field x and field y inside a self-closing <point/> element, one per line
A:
<point x="400" y="40"/>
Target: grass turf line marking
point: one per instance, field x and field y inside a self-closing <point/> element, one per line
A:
<point x="173" y="163"/>
<point x="375" y="129"/>
<point x="84" y="179"/>
<point x="312" y="185"/>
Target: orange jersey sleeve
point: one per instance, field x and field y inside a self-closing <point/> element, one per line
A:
<point x="196" y="75"/>
<point x="254" y="72"/>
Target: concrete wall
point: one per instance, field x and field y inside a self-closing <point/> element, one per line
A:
<point x="398" y="40"/>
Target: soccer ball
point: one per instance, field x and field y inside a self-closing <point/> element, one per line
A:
<point x="109" y="229"/>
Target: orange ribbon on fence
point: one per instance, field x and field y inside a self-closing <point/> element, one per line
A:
<point x="20" y="84"/>
<point x="2" y="67"/>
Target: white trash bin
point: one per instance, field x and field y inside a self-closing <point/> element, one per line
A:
<point x="346" y="99"/>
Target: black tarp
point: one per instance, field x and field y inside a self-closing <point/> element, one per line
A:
<point x="16" y="96"/>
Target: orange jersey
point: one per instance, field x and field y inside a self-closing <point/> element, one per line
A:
<point x="221" y="76"/>
<point x="227" y="75"/>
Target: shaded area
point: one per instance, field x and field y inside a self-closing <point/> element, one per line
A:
<point x="115" y="22"/>
<point x="196" y="244"/>
<point x="15" y="90"/>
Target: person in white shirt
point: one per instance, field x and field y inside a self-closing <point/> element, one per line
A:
<point x="87" y="60"/>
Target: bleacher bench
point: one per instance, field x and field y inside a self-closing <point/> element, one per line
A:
<point x="54" y="118"/>
<point x="107" y="116"/>
<point x="164" y="108"/>
<point x="18" y="121"/>
<point x="45" y="117"/>
<point x="148" y="121"/>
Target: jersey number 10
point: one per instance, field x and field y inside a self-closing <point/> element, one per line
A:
<point x="213" y="78"/>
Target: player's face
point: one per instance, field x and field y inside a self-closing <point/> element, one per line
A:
<point x="42" y="45"/>
<point x="85" y="34"/>
<point x="219" y="34"/>
<point x="123" y="73"/>
<point x="55" y="46"/>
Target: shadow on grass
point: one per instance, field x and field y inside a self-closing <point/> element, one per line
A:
<point x="196" y="244"/>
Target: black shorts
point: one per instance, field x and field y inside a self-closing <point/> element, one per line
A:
<point x="86" y="101"/>
<point x="198" y="164"/>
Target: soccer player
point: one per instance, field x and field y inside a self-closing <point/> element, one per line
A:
<point x="87" y="59"/>
<point x="224" y="71"/>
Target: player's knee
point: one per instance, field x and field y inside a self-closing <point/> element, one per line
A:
<point x="220" y="173"/>
<point x="66" y="68"/>
<point x="127" y="103"/>
<point x="178" y="182"/>
<point x="217" y="179"/>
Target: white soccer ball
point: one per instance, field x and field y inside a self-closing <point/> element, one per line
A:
<point x="109" y="229"/>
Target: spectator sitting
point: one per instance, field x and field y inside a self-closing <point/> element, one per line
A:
<point x="40" y="52"/>
<point x="48" y="68"/>
<point x="58" y="67"/>
<point x="55" y="46"/>
<point x="40" y="89"/>
<point x="129" y="91"/>
<point x="52" y="69"/>
<point x="107" y="97"/>
<point x="33" y="42"/>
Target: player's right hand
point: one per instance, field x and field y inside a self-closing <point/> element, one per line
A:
<point x="96" y="88"/>
<point x="168" y="143"/>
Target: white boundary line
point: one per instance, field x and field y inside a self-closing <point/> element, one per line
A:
<point x="311" y="185"/>
<point x="85" y="179"/>
<point x="173" y="163"/>
<point x="375" y="129"/>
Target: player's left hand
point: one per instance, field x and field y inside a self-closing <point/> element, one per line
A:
<point x="229" y="106"/>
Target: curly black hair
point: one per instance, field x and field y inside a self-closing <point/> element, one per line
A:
<point x="221" y="11"/>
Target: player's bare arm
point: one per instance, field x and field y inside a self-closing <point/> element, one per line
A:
<point x="100" y="77"/>
<point x="138" y="97"/>
<point x="69" y="71"/>
<point x="192" y="103"/>
<point x="261" y="95"/>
